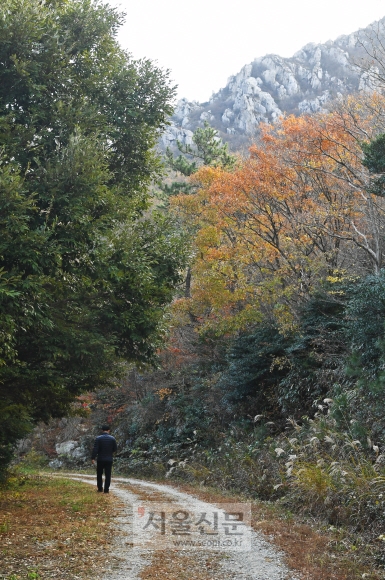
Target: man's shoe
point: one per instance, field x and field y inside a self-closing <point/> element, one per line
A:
<point x="100" y="490"/>
<point x="106" y="491"/>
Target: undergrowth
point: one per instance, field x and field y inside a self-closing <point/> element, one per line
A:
<point x="317" y="469"/>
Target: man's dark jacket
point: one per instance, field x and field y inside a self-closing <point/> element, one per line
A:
<point x="104" y="447"/>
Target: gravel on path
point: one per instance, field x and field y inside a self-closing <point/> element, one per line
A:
<point x="130" y="562"/>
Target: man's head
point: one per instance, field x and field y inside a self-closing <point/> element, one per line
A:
<point x="106" y="428"/>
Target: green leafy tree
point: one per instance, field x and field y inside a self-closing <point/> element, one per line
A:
<point x="86" y="266"/>
<point x="252" y="378"/>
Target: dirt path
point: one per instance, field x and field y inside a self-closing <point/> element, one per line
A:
<point x="136" y="553"/>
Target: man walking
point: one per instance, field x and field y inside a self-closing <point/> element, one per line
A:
<point x="104" y="448"/>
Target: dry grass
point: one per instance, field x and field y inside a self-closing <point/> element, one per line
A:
<point x="52" y="528"/>
<point x="316" y="553"/>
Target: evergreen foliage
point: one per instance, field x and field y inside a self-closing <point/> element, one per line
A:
<point x="280" y="375"/>
<point x="374" y="161"/>
<point x="207" y="149"/>
<point x="365" y="318"/>
<point x="255" y="369"/>
<point x="365" y="331"/>
<point x="317" y="353"/>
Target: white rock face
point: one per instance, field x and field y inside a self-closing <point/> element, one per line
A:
<point x="368" y="80"/>
<point x="184" y="108"/>
<point x="207" y="116"/>
<point x="174" y="133"/>
<point x="314" y="105"/>
<point x="79" y="453"/>
<point x="66" y="447"/>
<point x="227" y="117"/>
<point x="69" y="451"/>
<point x="271" y="85"/>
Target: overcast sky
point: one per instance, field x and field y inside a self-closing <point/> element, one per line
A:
<point x="203" y="42"/>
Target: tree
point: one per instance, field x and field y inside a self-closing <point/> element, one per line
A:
<point x="279" y="375"/>
<point x="365" y="334"/>
<point x="374" y="160"/>
<point x="86" y="266"/>
<point x="297" y="211"/>
<point x="207" y="150"/>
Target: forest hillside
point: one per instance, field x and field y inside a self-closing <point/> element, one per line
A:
<point x="225" y="315"/>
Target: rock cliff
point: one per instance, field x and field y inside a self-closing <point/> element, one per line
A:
<point x="271" y="85"/>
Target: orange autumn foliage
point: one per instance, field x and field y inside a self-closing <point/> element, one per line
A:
<point x="294" y="214"/>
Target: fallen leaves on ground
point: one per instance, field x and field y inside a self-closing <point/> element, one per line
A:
<point x="53" y="528"/>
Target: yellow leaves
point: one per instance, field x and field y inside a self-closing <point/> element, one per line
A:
<point x="208" y="237"/>
<point x="333" y="279"/>
<point x="206" y="175"/>
<point x="163" y="393"/>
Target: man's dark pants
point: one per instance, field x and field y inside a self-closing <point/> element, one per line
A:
<point x="105" y="466"/>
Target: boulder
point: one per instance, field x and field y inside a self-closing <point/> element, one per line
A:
<point x="66" y="448"/>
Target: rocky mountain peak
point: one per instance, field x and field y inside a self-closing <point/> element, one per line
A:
<point x="271" y="85"/>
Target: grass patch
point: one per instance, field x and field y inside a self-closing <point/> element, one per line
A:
<point x="52" y="528"/>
